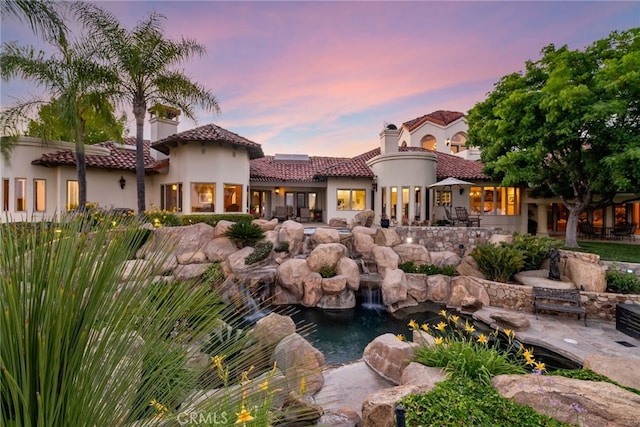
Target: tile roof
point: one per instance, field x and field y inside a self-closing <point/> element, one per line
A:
<point x="208" y="133"/>
<point x="269" y="169"/>
<point x="440" y="117"/>
<point x="448" y="166"/>
<point x="120" y="158"/>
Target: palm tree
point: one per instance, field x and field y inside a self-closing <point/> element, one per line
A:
<point x="73" y="79"/>
<point x="144" y="61"/>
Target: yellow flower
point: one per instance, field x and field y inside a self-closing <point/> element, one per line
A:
<point x="438" y="340"/>
<point x="400" y="337"/>
<point x="425" y="327"/>
<point x="275" y="368"/>
<point x="303" y="386"/>
<point x="540" y="366"/>
<point x="217" y="361"/>
<point x="243" y="416"/>
<point x="469" y="328"/>
<point x="441" y="326"/>
<point x="454" y="318"/>
<point x="482" y="339"/>
<point x="158" y="406"/>
<point x="244" y="377"/>
<point x="264" y="386"/>
<point x="529" y="360"/>
<point x="528" y="354"/>
<point x="443" y="313"/>
<point x="413" y="324"/>
<point x="508" y="332"/>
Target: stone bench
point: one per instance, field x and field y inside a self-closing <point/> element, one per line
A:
<point x="628" y="319"/>
<point x="559" y="300"/>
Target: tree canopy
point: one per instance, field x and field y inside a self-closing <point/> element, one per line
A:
<point x="568" y="126"/>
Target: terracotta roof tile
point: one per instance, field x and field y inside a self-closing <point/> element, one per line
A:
<point x="269" y="169"/>
<point x="120" y="158"/>
<point x="208" y="133"/>
<point x="440" y="117"/>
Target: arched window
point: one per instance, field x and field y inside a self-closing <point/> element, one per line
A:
<point x="429" y="142"/>
<point x="404" y="144"/>
<point x="458" y="142"/>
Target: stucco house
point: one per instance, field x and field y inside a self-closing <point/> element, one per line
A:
<point x="211" y="169"/>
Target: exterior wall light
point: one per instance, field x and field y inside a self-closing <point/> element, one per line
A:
<point x="374" y="183"/>
<point x="122" y="182"/>
<point x="277" y="190"/>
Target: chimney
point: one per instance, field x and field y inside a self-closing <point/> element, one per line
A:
<point x="164" y="121"/>
<point x="389" y="139"/>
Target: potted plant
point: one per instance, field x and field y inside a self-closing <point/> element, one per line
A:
<point x="384" y="221"/>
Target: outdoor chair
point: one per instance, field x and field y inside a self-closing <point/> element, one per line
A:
<point x="450" y="218"/>
<point x="625" y="230"/>
<point x="305" y="216"/>
<point x="463" y="216"/>
<point x="281" y="213"/>
<point x="587" y="230"/>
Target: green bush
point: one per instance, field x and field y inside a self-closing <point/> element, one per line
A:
<point x="535" y="249"/>
<point x="589" y="375"/>
<point x="411" y="267"/>
<point x="328" y="271"/>
<point x="213" y="219"/>
<point x="213" y="275"/>
<point x="408" y="267"/>
<point x="622" y="282"/>
<point x="162" y="218"/>
<point x="282" y="247"/>
<point x="261" y="252"/>
<point x="455" y="403"/>
<point x="499" y="263"/>
<point x="245" y="233"/>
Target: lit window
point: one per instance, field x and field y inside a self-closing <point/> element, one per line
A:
<point x="351" y="199"/>
<point x="5" y="195"/>
<point x="443" y="198"/>
<point x="21" y="194"/>
<point x="73" y="198"/>
<point x="40" y="195"/>
<point x="494" y="200"/>
<point x="232" y="198"/>
<point x="171" y="197"/>
<point x="203" y="196"/>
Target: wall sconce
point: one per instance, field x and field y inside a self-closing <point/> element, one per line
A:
<point x="277" y="190"/>
<point x="374" y="183"/>
<point x="448" y="141"/>
<point x="122" y="182"/>
<point x="461" y="191"/>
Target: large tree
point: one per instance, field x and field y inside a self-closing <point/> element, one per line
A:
<point x="568" y="126"/>
<point x="145" y="62"/>
<point x="72" y="77"/>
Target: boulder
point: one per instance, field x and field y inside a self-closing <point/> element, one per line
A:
<point x="291" y="274"/>
<point x="387" y="237"/>
<point x="364" y="230"/>
<point x="272" y="328"/>
<point x="386" y="258"/>
<point x="586" y="275"/>
<point x="235" y="262"/>
<point x="338" y="222"/>
<point x="312" y="289"/>
<point x="417" y="286"/>
<point x="458" y="293"/>
<point x="178" y="240"/>
<point x="442" y="258"/>
<point x="418" y="254"/>
<point x="388" y="356"/>
<point x="292" y="233"/>
<point x="363" y="243"/>
<point x="334" y="285"/>
<point x="496" y="239"/>
<point x="474" y="287"/>
<point x="222" y="227"/>
<point x="622" y="370"/>
<point x="363" y="219"/>
<point x="470" y="303"/>
<point x="469" y="267"/>
<point x="163" y="262"/>
<point x="299" y="411"/>
<point x="326" y="255"/>
<point x="219" y="249"/>
<point x="325" y="235"/>
<point x="272" y="236"/>
<point x="422" y="338"/>
<point x="378" y="409"/>
<point x="344" y="300"/>
<point x="540" y="278"/>
<point x="394" y="287"/>
<point x="511" y="320"/>
<point x="189" y="271"/>
<point x="438" y="289"/>
<point x="419" y="374"/>
<point x="282" y="296"/>
<point x="348" y="268"/>
<point x="266" y="225"/>
<point x="197" y="257"/>
<point x="590" y="403"/>
<point x="136" y="269"/>
<point x="297" y="358"/>
<point x="342" y="417"/>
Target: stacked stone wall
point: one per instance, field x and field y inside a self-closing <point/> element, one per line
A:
<point x="438" y="239"/>
<point x="624" y="266"/>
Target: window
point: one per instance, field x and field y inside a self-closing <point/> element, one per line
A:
<point x="405" y="203"/>
<point x="72" y="195"/>
<point x="313" y="201"/>
<point x="443" y="198"/>
<point x="495" y="200"/>
<point x="232" y="198"/>
<point x="458" y="143"/>
<point x="351" y="199"/>
<point x="39" y="195"/>
<point x="394" y="202"/>
<point x="384" y="201"/>
<point x="203" y="196"/>
<point x="428" y="142"/>
<point x="21" y="194"/>
<point x="171" y="197"/>
<point x="5" y="195"/>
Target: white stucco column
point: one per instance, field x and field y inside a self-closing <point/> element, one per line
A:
<point x="542" y="220"/>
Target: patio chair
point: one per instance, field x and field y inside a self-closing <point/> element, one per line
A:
<point x="281" y="213"/>
<point x="452" y="220"/>
<point x="305" y="216"/>
<point x="463" y="216"/>
<point x="625" y="230"/>
<point x="587" y="230"/>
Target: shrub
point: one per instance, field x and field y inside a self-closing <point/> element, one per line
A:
<point x="327" y="271"/>
<point x="622" y="282"/>
<point x="535" y="249"/>
<point x="245" y="233"/>
<point x="498" y="263"/>
<point x="448" y="270"/>
<point x="261" y="252"/>
<point x="589" y="375"/>
<point x="408" y="267"/>
<point x="454" y="403"/>
<point x="162" y="218"/>
<point x="213" y="219"/>
<point x="213" y="275"/>
<point x="282" y="247"/>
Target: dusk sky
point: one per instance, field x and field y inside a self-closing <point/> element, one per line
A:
<point x="323" y="77"/>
